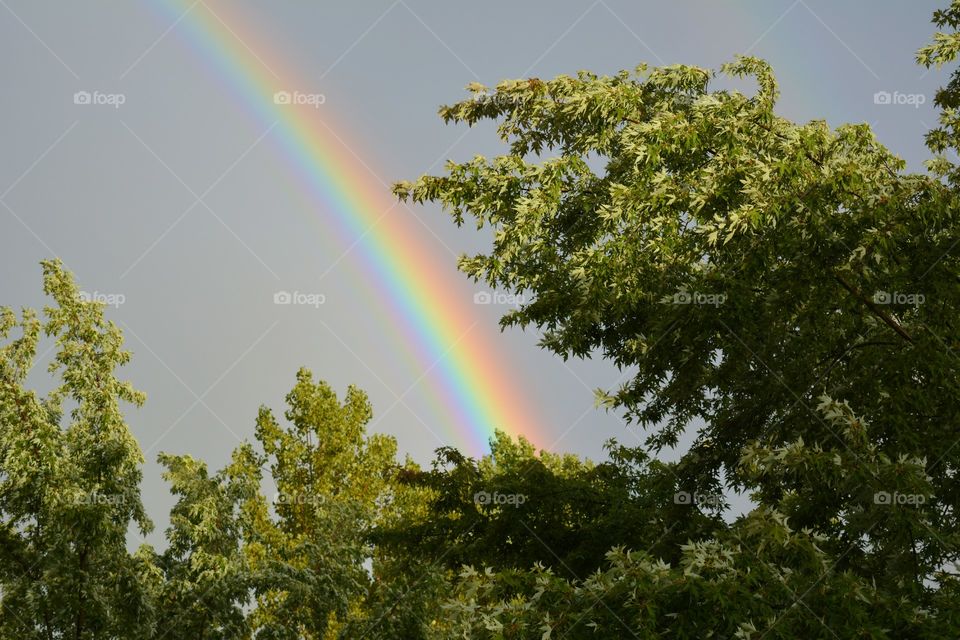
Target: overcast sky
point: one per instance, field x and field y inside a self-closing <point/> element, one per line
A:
<point x="106" y="188"/>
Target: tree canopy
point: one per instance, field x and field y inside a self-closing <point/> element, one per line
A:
<point x="785" y="293"/>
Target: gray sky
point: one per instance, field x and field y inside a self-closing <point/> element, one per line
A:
<point x="104" y="188"/>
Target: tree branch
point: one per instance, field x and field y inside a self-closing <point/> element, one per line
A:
<point x="877" y="311"/>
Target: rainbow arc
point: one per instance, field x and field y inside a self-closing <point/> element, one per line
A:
<point x="464" y="367"/>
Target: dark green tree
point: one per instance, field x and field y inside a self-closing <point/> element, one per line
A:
<point x="785" y="290"/>
<point x="203" y="580"/>
<point x="516" y="507"/>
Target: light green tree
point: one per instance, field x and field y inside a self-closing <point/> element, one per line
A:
<point x="311" y="554"/>
<point x="69" y="480"/>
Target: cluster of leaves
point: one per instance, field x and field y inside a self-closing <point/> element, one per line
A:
<point x="69" y="482"/>
<point x="785" y="292"/>
<point x="512" y="507"/>
<point x="760" y="576"/>
<point x="792" y="229"/>
<point x="236" y="564"/>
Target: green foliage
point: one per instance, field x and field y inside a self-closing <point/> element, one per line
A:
<point x="204" y="577"/>
<point x="943" y="50"/>
<point x="69" y="484"/>
<point x="785" y="289"/>
<point x="514" y="508"/>
<point x="744" y="266"/>
<point x="329" y="475"/>
<point x="783" y="232"/>
<point x="761" y="576"/>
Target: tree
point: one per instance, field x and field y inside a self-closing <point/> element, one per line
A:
<point x="515" y="507"/>
<point x="943" y="50"/>
<point x="203" y="580"/>
<point x="784" y="289"/>
<point x="402" y="599"/>
<point x="759" y="577"/>
<point x="69" y="485"/>
<point x="310" y="556"/>
<point x="732" y="257"/>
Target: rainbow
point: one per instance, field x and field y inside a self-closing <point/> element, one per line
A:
<point x="467" y="372"/>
